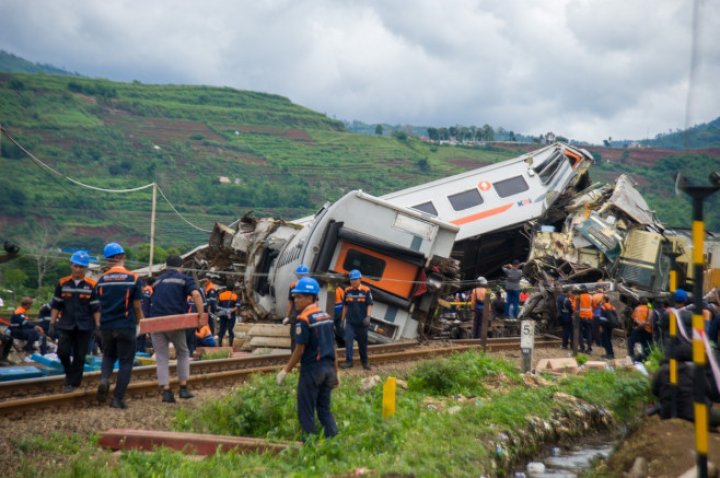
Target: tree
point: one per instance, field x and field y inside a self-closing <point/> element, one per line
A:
<point x="379" y="130"/>
<point x="433" y="134"/>
<point x="40" y="243"/>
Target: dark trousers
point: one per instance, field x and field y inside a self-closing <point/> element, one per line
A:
<point x="118" y="344"/>
<point x="639" y="335"/>
<point x="567" y="333"/>
<point x="586" y="335"/>
<point x="607" y="338"/>
<point x="226" y="325"/>
<point x="313" y="394"/>
<point x="512" y="303"/>
<point x="477" y="322"/>
<point x="141" y="343"/>
<point x="71" y="351"/>
<point x="598" y="331"/>
<point x="191" y="340"/>
<point x="356" y="332"/>
<point x="30" y="336"/>
<point x="7" y="342"/>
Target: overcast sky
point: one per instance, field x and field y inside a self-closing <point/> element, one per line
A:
<point x="583" y="69"/>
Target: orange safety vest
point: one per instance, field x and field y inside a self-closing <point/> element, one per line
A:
<point x="203" y="332"/>
<point x="597" y="299"/>
<point x="339" y="295"/>
<point x="641" y="316"/>
<point x="586" y="306"/>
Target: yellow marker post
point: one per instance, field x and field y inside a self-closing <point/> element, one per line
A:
<point x="388" y="403"/>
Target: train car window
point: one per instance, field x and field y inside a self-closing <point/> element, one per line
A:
<point x="547" y="170"/>
<point x="510" y="187"/>
<point x="426" y="207"/>
<point x="369" y="265"/>
<point x="466" y="199"/>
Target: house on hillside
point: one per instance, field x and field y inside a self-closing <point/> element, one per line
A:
<point x="223" y="180"/>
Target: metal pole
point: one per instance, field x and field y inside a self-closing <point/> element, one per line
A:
<point x="698" y="195"/>
<point x="152" y="228"/>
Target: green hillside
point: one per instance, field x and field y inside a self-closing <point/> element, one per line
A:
<point x="14" y="64"/>
<point x="280" y="158"/>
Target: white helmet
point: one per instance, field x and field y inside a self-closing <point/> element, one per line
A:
<point x="481" y="280"/>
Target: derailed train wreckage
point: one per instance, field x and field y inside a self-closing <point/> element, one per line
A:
<point x="418" y="244"/>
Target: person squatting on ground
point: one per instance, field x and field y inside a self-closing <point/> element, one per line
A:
<point x="21" y="328"/>
<point x="584" y="304"/>
<point x="356" y="314"/>
<point x="291" y="313"/>
<point x="119" y="293"/>
<point x="642" y="330"/>
<point x="477" y="304"/>
<point x="228" y="304"/>
<point x="169" y="298"/>
<point x="564" y="310"/>
<point x="72" y="311"/>
<point x="315" y="350"/>
<point x="204" y="337"/>
<point x="190" y="336"/>
<point x="513" y="275"/>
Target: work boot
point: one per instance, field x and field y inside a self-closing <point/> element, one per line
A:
<point x="185" y="393"/>
<point x="346" y="365"/>
<point x="168" y="397"/>
<point x="366" y="366"/>
<point x="102" y="392"/>
<point x="69" y="388"/>
<point x="117" y="403"/>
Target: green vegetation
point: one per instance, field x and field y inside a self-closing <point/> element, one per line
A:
<point x="456" y="436"/>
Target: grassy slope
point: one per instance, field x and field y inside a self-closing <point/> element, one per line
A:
<point x="283" y="159"/>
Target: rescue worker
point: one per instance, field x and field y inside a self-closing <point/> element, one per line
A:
<point x="211" y="300"/>
<point x="642" y="329"/>
<point x="513" y="275"/>
<point x="357" y="310"/>
<point x="680" y="298"/>
<point x="477" y="305"/>
<point x="586" y="324"/>
<point x="6" y="340"/>
<point x="192" y="308"/>
<point x="337" y="318"/>
<point x="300" y="272"/>
<point x="608" y="321"/>
<point x="315" y="350"/>
<point x="228" y="303"/>
<point x="597" y="302"/>
<point x="143" y="340"/>
<point x="71" y="314"/>
<point x="204" y="337"/>
<point x="21" y="328"/>
<point x="565" y="310"/>
<point x="119" y="293"/>
<point x="169" y="298"/>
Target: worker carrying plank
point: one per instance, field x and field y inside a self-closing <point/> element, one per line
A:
<point x="169" y="298"/>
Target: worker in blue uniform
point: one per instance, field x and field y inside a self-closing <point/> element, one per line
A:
<point x="21" y="328"/>
<point x="356" y="318"/>
<point x="291" y="314"/>
<point x="71" y="314"/>
<point x="315" y="350"/>
<point x="118" y="292"/>
<point x="228" y="305"/>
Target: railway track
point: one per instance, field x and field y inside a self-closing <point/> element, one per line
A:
<point x="34" y="394"/>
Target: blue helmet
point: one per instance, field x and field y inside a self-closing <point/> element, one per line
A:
<point x="355" y="274"/>
<point x="302" y="270"/>
<point x="80" y="258"/>
<point x="307" y="286"/>
<point x="113" y="249"/>
<point x="680" y="296"/>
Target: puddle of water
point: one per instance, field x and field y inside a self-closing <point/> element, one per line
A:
<point x="569" y="463"/>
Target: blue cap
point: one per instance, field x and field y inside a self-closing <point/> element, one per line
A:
<point x="307" y="286"/>
<point x="80" y="258"/>
<point x="113" y="249"/>
<point x="355" y="274"/>
<point x="302" y="270"/>
<point x="680" y="296"/>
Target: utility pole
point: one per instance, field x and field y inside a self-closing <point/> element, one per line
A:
<point x="698" y="195"/>
<point x="152" y="227"/>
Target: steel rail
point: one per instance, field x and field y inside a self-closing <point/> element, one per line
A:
<point x="149" y="388"/>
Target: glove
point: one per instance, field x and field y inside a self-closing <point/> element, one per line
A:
<point x="280" y="378"/>
<point x="366" y="322"/>
<point x="286" y="321"/>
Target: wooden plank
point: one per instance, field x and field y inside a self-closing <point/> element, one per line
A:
<point x="167" y="323"/>
<point x="269" y="330"/>
<point x="271" y="342"/>
<point x="189" y="443"/>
